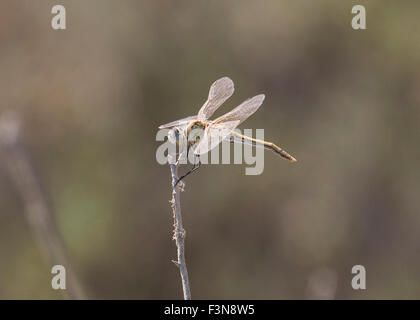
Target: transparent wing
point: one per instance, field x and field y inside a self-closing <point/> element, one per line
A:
<point x="243" y="111"/>
<point x="178" y="122"/>
<point x="213" y="135"/>
<point x="219" y="92"/>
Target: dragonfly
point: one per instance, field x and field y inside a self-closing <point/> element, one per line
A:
<point x="213" y="132"/>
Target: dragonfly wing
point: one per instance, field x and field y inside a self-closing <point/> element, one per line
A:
<point x="243" y="111"/>
<point x="178" y="122"/>
<point x="213" y="135"/>
<point x="220" y="91"/>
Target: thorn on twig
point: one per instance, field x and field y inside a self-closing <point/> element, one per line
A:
<point x="179" y="233"/>
<point x="181" y="185"/>
<point x="176" y="263"/>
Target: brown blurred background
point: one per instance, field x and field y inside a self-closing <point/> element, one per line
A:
<point x="345" y="103"/>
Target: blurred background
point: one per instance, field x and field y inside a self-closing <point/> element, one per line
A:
<point x="345" y="103"/>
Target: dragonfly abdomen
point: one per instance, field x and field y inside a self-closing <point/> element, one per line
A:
<point x="237" y="137"/>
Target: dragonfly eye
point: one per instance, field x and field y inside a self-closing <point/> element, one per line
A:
<point x="173" y="135"/>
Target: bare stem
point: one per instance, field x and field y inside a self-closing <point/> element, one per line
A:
<point x="39" y="215"/>
<point x="179" y="232"/>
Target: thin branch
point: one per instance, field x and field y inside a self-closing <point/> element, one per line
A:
<point x="179" y="232"/>
<point x="38" y="214"/>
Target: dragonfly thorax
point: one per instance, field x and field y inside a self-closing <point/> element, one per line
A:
<point x="195" y="131"/>
<point x="189" y="134"/>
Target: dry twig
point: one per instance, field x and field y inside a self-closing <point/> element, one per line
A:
<point x="179" y="232"/>
<point x="39" y="215"/>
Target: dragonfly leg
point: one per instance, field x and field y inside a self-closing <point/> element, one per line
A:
<point x="194" y="168"/>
